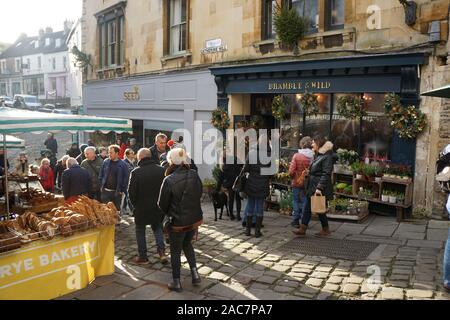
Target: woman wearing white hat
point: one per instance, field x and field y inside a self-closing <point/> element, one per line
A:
<point x="180" y="200"/>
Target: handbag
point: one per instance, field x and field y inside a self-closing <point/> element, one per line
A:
<point x="318" y="204"/>
<point x="300" y="181"/>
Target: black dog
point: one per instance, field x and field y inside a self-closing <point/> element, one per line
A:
<point x="220" y="200"/>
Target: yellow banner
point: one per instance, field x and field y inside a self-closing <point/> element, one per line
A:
<point x="50" y="269"/>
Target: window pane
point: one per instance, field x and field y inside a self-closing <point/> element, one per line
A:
<point x="377" y="137"/>
<point x="175" y="39"/>
<point x="175" y="12"/>
<point x="183" y="13"/>
<point x="374" y="103"/>
<point x="308" y="9"/>
<point x="183" y="37"/>
<point x="337" y="12"/>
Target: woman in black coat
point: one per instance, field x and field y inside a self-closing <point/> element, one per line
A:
<point x="318" y="183"/>
<point x="180" y="201"/>
<point x="228" y="175"/>
<point x="257" y="186"/>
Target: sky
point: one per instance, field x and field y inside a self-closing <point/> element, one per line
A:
<point x="28" y="16"/>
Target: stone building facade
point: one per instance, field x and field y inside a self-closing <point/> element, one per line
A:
<point x="235" y="41"/>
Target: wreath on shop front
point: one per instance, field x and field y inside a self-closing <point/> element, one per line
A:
<point x="351" y="107"/>
<point x="220" y="119"/>
<point x="392" y="104"/>
<point x="278" y="107"/>
<point x="310" y="104"/>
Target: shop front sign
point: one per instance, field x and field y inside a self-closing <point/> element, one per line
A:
<point x="299" y="85"/>
<point x="133" y="95"/>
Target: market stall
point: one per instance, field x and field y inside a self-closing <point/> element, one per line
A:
<point x="42" y="240"/>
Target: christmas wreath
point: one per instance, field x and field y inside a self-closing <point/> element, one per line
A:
<point x="409" y="122"/>
<point x="220" y="119"/>
<point x="310" y="104"/>
<point x="351" y="107"/>
<point x="392" y="104"/>
<point x="278" y="107"/>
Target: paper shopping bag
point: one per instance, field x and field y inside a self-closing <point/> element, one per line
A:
<point x="318" y="204"/>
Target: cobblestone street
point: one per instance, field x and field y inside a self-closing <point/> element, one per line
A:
<point x="233" y="266"/>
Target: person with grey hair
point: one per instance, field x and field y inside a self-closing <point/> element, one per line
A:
<point x="143" y="191"/>
<point x="180" y="201"/>
<point x="76" y="181"/>
<point x="160" y="147"/>
<point x="298" y="170"/>
<point x="93" y="164"/>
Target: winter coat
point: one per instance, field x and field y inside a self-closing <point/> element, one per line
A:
<point x="131" y="166"/>
<point x="229" y="174"/>
<point x="155" y="154"/>
<point x="74" y="153"/>
<point x="52" y="145"/>
<point x="93" y="167"/>
<point x="47" y="179"/>
<point x="143" y="191"/>
<point x="24" y="170"/>
<point x="320" y="172"/>
<point x="81" y="157"/>
<point x="123" y="148"/>
<point x="122" y="179"/>
<point x="59" y="170"/>
<point x="180" y="197"/>
<point x="75" y="182"/>
<point x="300" y="162"/>
<point x="257" y="185"/>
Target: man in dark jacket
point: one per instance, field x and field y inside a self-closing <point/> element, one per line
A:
<point x="82" y="156"/>
<point x="51" y="144"/>
<point x="143" y="190"/>
<point x="93" y="165"/>
<point x="60" y="167"/>
<point x="75" y="181"/>
<point x="228" y="175"/>
<point x="113" y="178"/>
<point x="74" y="151"/>
<point x="160" y="147"/>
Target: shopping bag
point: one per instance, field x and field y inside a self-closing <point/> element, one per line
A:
<point x="318" y="204"/>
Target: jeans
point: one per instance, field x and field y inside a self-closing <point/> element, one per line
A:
<point x="299" y="204"/>
<point x="307" y="215"/>
<point x="233" y="195"/>
<point x="244" y="217"/>
<point x="142" y="239"/>
<point x="255" y="207"/>
<point x="181" y="242"/>
<point x="112" y="196"/>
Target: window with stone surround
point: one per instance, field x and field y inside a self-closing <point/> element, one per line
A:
<point x="177" y="33"/>
<point x="111" y="36"/>
<point x="334" y="14"/>
<point x="308" y="9"/>
<point x="268" y="14"/>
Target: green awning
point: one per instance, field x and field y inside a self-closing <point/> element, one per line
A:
<point x="12" y="143"/>
<point x="443" y="92"/>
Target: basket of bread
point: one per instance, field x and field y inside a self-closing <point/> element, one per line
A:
<point x="8" y="240"/>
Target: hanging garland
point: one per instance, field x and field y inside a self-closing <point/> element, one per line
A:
<point x="392" y="104"/>
<point x="220" y="119"/>
<point x="409" y="122"/>
<point x="310" y="104"/>
<point x="351" y="107"/>
<point x="278" y="108"/>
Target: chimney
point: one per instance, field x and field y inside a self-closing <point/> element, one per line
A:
<point x="41" y="34"/>
<point x="48" y="30"/>
<point x="68" y="26"/>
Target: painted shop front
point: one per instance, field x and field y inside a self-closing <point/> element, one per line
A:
<point x="155" y="103"/>
<point x="248" y="92"/>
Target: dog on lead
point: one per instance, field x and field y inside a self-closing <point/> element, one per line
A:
<point x="220" y="200"/>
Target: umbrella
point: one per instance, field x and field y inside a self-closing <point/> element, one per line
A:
<point x="21" y="121"/>
<point x="443" y="92"/>
<point x="12" y="142"/>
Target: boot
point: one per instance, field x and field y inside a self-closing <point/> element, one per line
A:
<point x="302" y="231"/>
<point x="238" y="216"/>
<point x="175" y="285"/>
<point x="162" y="256"/>
<point x="258" y="233"/>
<point x="232" y="217"/>
<point x="248" y="226"/>
<point x="196" y="280"/>
<point x="323" y="233"/>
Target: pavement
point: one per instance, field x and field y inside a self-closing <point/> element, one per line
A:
<point x="405" y="265"/>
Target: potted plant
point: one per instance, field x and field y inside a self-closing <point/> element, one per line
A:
<point x="209" y="185"/>
<point x="378" y="172"/>
<point x="357" y="170"/>
<point x="369" y="172"/>
<point x="342" y="155"/>
<point x="385" y="196"/>
<point x="401" y="198"/>
<point x="393" y="197"/>
<point x="340" y="187"/>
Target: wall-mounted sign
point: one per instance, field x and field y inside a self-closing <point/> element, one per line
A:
<point x="132" y="96"/>
<point x="300" y="85"/>
<point x="214" y="46"/>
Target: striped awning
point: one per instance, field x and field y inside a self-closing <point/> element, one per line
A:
<point x="20" y="121"/>
<point x="12" y="143"/>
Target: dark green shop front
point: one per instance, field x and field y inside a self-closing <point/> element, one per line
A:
<point x="370" y="77"/>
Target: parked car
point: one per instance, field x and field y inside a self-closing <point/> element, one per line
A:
<point x="28" y="102"/>
<point x="48" y="108"/>
<point x="8" y="101"/>
<point x="62" y="111"/>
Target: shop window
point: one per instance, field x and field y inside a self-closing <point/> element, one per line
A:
<point x="16" y="88"/>
<point x="308" y="9"/>
<point x="376" y="137"/>
<point x="3" y="91"/>
<point x="18" y="65"/>
<point x="177" y="26"/>
<point x="334" y="14"/>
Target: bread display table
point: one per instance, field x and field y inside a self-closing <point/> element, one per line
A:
<point x="45" y="270"/>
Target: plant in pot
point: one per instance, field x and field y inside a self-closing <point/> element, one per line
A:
<point x="378" y="172"/>
<point x="357" y="170"/>
<point x="393" y="197"/>
<point x="340" y="187"/>
<point x="385" y="195"/>
<point x="369" y="172"/>
<point x="342" y="160"/>
<point x="401" y="198"/>
<point x="352" y="157"/>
